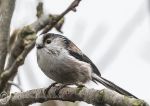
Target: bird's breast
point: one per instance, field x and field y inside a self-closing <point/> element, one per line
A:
<point x="63" y="67"/>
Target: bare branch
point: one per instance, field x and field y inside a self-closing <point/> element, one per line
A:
<point x="22" y="39"/>
<point x="20" y="34"/>
<point x="6" y="11"/>
<point x="13" y="69"/>
<point x="90" y="96"/>
<point x="39" y="9"/>
<point x="72" y="7"/>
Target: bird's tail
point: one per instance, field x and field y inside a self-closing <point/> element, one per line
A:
<point x="112" y="86"/>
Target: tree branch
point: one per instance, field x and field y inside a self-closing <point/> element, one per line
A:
<point x="6" y="11"/>
<point x="39" y="9"/>
<point x="13" y="69"/>
<point x="71" y="94"/>
<point x="24" y="37"/>
<point x="72" y="7"/>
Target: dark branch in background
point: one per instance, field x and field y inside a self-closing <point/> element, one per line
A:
<point x="24" y="41"/>
<point x="90" y="96"/>
<point x="6" y="11"/>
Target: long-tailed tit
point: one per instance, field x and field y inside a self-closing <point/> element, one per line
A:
<point x="62" y="61"/>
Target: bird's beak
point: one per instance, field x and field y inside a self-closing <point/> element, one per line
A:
<point x="39" y="42"/>
<point x="38" y="46"/>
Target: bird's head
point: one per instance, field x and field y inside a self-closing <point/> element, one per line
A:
<point x="51" y="40"/>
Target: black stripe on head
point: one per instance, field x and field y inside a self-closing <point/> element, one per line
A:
<point x="53" y="36"/>
<point x="49" y="35"/>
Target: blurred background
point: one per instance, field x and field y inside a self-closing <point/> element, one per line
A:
<point x="114" y="34"/>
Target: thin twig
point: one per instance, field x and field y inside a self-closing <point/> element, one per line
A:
<point x="16" y="85"/>
<point x="72" y="7"/>
<point x="39" y="9"/>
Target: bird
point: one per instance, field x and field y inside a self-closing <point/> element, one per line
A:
<point x="62" y="61"/>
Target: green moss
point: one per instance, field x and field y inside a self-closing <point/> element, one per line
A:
<point x="79" y="89"/>
<point x="27" y="30"/>
<point x="101" y="95"/>
<point x="138" y="103"/>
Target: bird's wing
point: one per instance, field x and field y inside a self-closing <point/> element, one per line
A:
<point x="77" y="53"/>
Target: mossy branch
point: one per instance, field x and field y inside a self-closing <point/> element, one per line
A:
<point x="72" y="94"/>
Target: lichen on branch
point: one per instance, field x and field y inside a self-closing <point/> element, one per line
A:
<point x="72" y="94"/>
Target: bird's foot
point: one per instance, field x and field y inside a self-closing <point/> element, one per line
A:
<point x="60" y="87"/>
<point x="80" y="85"/>
<point x="48" y="88"/>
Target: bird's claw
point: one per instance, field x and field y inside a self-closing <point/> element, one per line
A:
<point x="48" y="88"/>
<point x="60" y="87"/>
<point x="80" y="85"/>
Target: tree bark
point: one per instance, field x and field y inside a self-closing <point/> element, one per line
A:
<point x="72" y="94"/>
<point x="6" y="11"/>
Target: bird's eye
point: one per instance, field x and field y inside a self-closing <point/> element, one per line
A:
<point x="48" y="41"/>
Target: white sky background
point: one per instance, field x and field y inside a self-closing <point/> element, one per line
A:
<point x="113" y="33"/>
